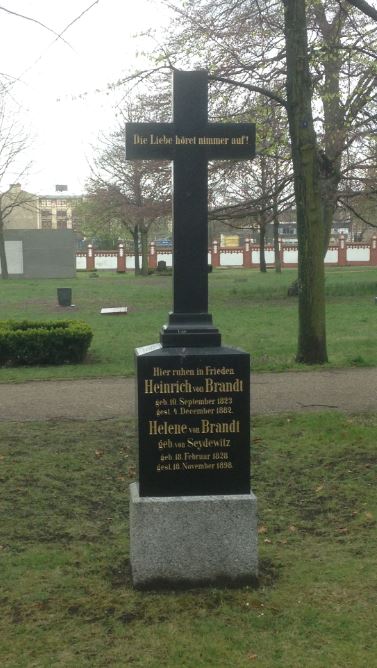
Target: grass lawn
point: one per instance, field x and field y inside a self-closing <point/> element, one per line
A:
<point x="251" y="310"/>
<point x="66" y="597"/>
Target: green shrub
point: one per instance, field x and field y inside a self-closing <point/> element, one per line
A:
<point x="51" y="342"/>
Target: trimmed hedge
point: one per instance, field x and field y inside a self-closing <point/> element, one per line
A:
<point x="53" y="342"/>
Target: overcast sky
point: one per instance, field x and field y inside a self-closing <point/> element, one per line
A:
<point x="56" y="95"/>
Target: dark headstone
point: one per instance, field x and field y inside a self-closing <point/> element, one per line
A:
<point x="64" y="296"/>
<point x="193" y="419"/>
<point x="161" y="265"/>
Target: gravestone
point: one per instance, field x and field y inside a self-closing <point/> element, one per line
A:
<point x="114" y="310"/>
<point x="192" y="512"/>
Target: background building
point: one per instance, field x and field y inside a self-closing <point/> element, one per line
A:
<point x="58" y="212"/>
<point x="43" y="212"/>
<point x="23" y="212"/>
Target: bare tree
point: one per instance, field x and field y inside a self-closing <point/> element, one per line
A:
<point x="122" y="206"/>
<point x="135" y="194"/>
<point x="13" y="165"/>
<point x="256" y="192"/>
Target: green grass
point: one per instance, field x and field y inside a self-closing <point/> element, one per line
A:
<point x="66" y="596"/>
<point x="251" y="310"/>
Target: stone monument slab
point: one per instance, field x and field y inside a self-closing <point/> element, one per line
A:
<point x="193" y="540"/>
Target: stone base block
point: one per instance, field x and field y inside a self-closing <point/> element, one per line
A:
<point x="192" y="540"/>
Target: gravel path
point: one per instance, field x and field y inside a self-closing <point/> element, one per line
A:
<point x="348" y="390"/>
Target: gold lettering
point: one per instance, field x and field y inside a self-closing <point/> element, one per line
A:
<point x="208" y="427"/>
<point x="178" y="387"/>
<point x="184" y="140"/>
<point x="140" y="140"/>
<point x="165" y="444"/>
<point x="193" y="456"/>
<point x="209" y="443"/>
<point x="183" y="372"/>
<point x="165" y="467"/>
<point x="240" y="140"/>
<point x="166" y="428"/>
<point x="226" y="386"/>
<point x="222" y="371"/>
<point x="213" y="141"/>
<point x="198" y="467"/>
<point x="157" y="371"/>
<point x="160" y="139"/>
<point x="196" y="411"/>
<point x="206" y="401"/>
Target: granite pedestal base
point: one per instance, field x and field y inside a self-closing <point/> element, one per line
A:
<point x="192" y="540"/>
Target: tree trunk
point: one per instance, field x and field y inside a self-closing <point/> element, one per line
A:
<point x="275" y="217"/>
<point x="135" y="238"/>
<point x="262" y="247"/>
<point x="333" y="112"/>
<point x="333" y="140"/>
<point x="311" y="284"/>
<point x="144" y="250"/>
<point x="276" y="239"/>
<point x="329" y="199"/>
<point x="3" y="257"/>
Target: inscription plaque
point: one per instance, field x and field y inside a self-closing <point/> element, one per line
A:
<point x="193" y="421"/>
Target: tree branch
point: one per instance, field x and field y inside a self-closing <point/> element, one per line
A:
<point x="364" y="7"/>
<point x="358" y="215"/>
<point x="29" y="18"/>
<point x="256" y="89"/>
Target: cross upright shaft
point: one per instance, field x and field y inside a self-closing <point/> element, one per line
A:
<point x="190" y="197"/>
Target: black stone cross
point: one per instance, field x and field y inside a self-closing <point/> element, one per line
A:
<point x="190" y="142"/>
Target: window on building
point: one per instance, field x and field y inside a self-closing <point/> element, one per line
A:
<point x="46" y="219"/>
<point x="75" y="220"/>
<point x="61" y="220"/>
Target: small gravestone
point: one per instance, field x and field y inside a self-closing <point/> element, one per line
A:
<point x="192" y="512"/>
<point x="64" y="296"/>
<point x="114" y="310"/>
<point x="161" y="265"/>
